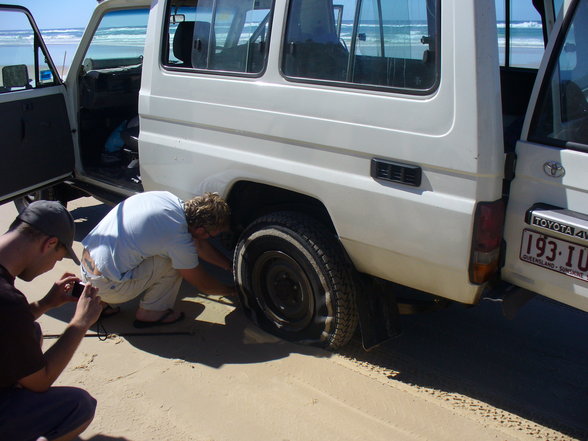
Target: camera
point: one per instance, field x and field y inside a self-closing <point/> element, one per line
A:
<point x="77" y="290"/>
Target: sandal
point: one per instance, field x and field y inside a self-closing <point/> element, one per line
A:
<point x="161" y="321"/>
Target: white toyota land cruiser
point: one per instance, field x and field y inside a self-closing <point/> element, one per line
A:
<point x="367" y="147"/>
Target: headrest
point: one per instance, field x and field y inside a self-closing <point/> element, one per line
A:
<point x="182" y="44"/>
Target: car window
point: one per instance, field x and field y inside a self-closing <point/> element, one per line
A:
<point x="519" y="30"/>
<point x="23" y="62"/>
<point x="562" y="116"/>
<point x="364" y="43"/>
<point x="218" y="35"/>
<point x="119" y="40"/>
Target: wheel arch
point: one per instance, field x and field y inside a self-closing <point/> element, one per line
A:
<point x="249" y="200"/>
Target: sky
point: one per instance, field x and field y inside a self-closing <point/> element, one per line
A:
<point x="51" y="14"/>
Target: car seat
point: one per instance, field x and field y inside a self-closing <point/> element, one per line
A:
<point x="182" y="43"/>
<point x="130" y="136"/>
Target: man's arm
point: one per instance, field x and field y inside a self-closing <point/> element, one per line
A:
<point x="209" y="253"/>
<point x="58" y="356"/>
<point x="205" y="283"/>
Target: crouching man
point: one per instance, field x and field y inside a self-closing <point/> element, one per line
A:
<point x="29" y="406"/>
<point x="148" y="244"/>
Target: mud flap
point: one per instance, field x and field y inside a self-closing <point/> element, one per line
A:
<point x="379" y="319"/>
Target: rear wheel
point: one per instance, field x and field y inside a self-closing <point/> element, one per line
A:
<point x="47" y="194"/>
<point x="294" y="280"/>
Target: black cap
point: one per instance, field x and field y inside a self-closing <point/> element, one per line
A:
<point x="52" y="219"/>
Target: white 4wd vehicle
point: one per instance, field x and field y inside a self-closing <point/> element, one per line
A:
<point x="366" y="147"/>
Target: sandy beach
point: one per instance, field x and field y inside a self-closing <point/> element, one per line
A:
<point x="216" y="377"/>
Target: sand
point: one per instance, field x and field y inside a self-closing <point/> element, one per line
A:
<point x="216" y="377"/>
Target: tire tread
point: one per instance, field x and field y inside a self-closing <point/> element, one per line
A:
<point x="332" y="257"/>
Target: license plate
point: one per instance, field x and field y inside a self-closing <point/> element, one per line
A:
<point x="558" y="255"/>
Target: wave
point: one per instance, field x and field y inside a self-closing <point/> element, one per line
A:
<point x="116" y="36"/>
<point x="68" y="31"/>
<point x="521" y="25"/>
<point x="387" y="26"/>
<point x="122" y="30"/>
<point x="526" y="34"/>
<point x="527" y="25"/>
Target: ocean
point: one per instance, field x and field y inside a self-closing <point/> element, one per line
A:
<point x="403" y="40"/>
<point x="62" y="44"/>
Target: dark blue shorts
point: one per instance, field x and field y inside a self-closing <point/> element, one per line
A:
<point x="26" y="415"/>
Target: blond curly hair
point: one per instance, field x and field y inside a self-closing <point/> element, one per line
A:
<point x="209" y="211"/>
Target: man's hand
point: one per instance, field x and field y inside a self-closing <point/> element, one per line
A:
<point x="59" y="294"/>
<point x="88" y="308"/>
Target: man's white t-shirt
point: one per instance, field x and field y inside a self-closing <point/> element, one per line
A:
<point x="142" y="226"/>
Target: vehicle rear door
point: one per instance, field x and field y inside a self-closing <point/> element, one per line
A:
<point x="546" y="229"/>
<point x="36" y="141"/>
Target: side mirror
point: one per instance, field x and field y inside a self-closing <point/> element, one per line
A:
<point x="15" y="76"/>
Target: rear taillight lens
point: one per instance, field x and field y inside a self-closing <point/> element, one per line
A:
<point x="488" y="227"/>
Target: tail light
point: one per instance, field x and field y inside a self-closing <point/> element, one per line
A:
<point x="488" y="226"/>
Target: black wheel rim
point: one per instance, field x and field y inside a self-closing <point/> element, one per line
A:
<point x="23" y="202"/>
<point x="32" y="197"/>
<point x="284" y="290"/>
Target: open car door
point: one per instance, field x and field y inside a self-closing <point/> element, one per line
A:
<point x="546" y="229"/>
<point x="36" y="141"/>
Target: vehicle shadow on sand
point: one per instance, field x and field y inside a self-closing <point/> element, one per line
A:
<point x="236" y="341"/>
<point x="534" y="366"/>
<point x="86" y="218"/>
<point x="100" y="437"/>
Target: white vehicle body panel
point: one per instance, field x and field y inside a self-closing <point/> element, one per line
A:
<point x="203" y="132"/>
<point x="533" y="184"/>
